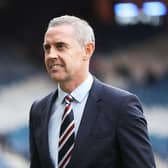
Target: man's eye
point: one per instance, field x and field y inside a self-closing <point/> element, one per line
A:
<point x="46" y="47"/>
<point x="60" y="46"/>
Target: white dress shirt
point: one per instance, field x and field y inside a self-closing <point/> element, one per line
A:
<point x="80" y="95"/>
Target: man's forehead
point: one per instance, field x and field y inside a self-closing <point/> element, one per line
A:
<point x="59" y="34"/>
<point x="62" y="31"/>
<point x="63" y="28"/>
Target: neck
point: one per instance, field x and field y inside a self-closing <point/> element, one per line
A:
<point x="69" y="86"/>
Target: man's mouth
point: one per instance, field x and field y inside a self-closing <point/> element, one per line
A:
<point x="51" y="66"/>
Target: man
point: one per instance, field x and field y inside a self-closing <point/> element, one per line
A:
<point x="102" y="127"/>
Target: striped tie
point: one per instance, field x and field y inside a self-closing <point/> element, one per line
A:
<point x="67" y="134"/>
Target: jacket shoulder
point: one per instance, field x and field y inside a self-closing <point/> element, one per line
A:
<point x="43" y="103"/>
<point x="109" y="90"/>
<point x="113" y="95"/>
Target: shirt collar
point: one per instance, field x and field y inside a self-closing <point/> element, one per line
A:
<point x="61" y="95"/>
<point x="79" y="93"/>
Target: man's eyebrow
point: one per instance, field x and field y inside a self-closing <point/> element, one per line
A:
<point x="61" y="43"/>
<point x="58" y="43"/>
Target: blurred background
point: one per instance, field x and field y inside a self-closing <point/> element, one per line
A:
<point x="131" y="53"/>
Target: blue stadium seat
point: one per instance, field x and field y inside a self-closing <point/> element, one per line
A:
<point x="18" y="141"/>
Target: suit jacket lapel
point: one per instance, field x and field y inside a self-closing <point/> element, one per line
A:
<point x="88" y="119"/>
<point x="48" y="112"/>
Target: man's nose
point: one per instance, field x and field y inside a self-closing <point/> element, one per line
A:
<point x="53" y="53"/>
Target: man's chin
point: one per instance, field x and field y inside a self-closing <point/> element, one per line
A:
<point x="56" y="78"/>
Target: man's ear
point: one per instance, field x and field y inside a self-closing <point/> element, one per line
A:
<point x="89" y="49"/>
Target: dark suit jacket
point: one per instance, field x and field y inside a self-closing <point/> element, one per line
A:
<point x="112" y="134"/>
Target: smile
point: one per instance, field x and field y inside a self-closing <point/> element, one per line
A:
<point x="55" y="66"/>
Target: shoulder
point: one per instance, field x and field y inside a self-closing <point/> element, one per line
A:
<point x="120" y="102"/>
<point x="110" y="91"/>
<point x="43" y="100"/>
<point x="39" y="105"/>
<point x="114" y="96"/>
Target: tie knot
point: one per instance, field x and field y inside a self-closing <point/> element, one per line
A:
<point x="68" y="99"/>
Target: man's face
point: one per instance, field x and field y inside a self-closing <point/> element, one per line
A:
<point x="64" y="56"/>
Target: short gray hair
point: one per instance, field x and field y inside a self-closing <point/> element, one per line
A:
<point x="83" y="31"/>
